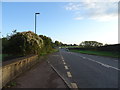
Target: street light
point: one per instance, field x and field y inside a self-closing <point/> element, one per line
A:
<point x="35" y="21"/>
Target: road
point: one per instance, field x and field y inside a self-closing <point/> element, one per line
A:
<point x="86" y="71"/>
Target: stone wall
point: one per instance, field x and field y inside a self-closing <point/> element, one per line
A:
<point x="12" y="70"/>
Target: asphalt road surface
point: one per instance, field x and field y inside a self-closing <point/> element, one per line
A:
<point x="86" y="71"/>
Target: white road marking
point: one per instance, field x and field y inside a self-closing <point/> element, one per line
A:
<point x="69" y="74"/>
<point x="105" y="65"/>
<point x="66" y="67"/>
<point x="84" y="57"/>
<point x="62" y="57"/>
<point x="64" y="63"/>
<point x="116" y="60"/>
<point x="74" y="85"/>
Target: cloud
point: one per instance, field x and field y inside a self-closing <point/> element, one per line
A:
<point x="78" y="18"/>
<point x="105" y="18"/>
<point x="101" y="11"/>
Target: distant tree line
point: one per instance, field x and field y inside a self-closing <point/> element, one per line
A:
<point x="90" y="44"/>
<point x="94" y="45"/>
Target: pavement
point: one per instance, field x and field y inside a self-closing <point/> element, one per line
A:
<point x="86" y="71"/>
<point x="40" y="76"/>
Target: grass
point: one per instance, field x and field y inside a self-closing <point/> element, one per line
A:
<point x="52" y="51"/>
<point x="10" y="85"/>
<point x="99" y="53"/>
<point x="70" y="46"/>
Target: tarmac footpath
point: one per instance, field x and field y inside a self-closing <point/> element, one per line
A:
<point x="39" y="76"/>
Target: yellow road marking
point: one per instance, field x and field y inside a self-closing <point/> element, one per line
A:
<point x="74" y="85"/>
<point x="69" y="74"/>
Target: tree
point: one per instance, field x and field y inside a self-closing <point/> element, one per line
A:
<point x="64" y="44"/>
<point x="75" y="45"/>
<point x="89" y="44"/>
<point x="14" y="31"/>
<point x="106" y="44"/>
<point x="60" y="43"/>
<point x="57" y="43"/>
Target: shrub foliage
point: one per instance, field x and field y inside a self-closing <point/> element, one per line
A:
<point x="24" y="43"/>
<point x="48" y="44"/>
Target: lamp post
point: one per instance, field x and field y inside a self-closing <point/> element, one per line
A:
<point x="35" y="21"/>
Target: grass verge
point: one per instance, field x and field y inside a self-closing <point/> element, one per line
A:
<point x="99" y="53"/>
<point x="52" y="51"/>
<point x="10" y="84"/>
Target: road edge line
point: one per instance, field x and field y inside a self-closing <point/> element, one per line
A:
<point x="59" y="75"/>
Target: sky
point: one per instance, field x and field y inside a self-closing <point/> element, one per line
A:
<point x="68" y="22"/>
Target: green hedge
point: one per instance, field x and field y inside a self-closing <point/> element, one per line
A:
<point x="24" y="43"/>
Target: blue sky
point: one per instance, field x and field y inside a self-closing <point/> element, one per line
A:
<point x="67" y="22"/>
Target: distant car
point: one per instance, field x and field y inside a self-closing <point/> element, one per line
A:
<point x="67" y="49"/>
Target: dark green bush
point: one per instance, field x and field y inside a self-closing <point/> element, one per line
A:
<point x="48" y="44"/>
<point x="25" y="43"/>
<point x="5" y="45"/>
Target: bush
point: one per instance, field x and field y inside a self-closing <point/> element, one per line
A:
<point x="25" y="43"/>
<point x="48" y="45"/>
<point x="5" y="44"/>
